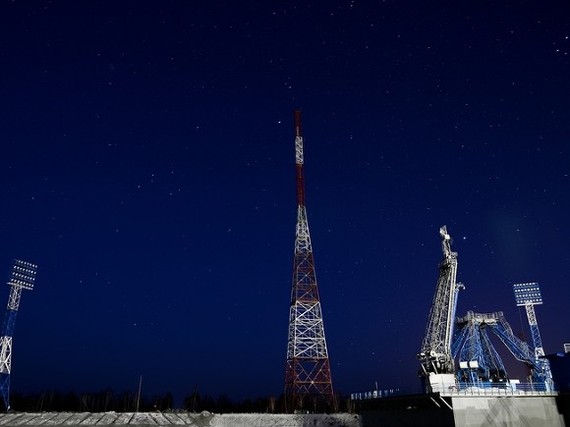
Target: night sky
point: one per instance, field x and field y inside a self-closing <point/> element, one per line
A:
<point x="147" y="167"/>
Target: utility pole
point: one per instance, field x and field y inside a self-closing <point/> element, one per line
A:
<point x="139" y="394"/>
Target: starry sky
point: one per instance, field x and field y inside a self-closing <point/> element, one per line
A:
<point x="147" y="167"/>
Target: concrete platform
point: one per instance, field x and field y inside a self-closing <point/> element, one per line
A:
<point x="431" y="410"/>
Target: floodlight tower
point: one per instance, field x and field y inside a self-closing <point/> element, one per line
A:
<point x="529" y="295"/>
<point x="307" y="371"/>
<point x="23" y="276"/>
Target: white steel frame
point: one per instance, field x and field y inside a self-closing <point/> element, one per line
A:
<point x="436" y="356"/>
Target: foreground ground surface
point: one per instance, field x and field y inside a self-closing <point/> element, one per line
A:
<point x="203" y="419"/>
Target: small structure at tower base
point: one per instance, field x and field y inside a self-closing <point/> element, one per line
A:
<point x="441" y="383"/>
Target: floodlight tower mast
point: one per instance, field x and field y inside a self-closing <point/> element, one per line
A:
<point x="307" y="371"/>
<point x="529" y="295"/>
<point x="436" y="359"/>
<point x="23" y="276"/>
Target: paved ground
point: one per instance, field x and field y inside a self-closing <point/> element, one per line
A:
<point x="204" y="419"/>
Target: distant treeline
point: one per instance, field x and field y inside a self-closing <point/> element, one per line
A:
<point x="101" y="401"/>
<point x="106" y="400"/>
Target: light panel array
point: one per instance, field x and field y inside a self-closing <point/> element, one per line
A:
<point x="527" y="293"/>
<point x="23" y="274"/>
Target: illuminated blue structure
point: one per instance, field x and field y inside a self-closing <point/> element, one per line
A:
<point x="23" y="276"/>
<point x="478" y="359"/>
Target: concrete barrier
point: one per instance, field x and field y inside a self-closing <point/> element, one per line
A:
<point x="539" y="411"/>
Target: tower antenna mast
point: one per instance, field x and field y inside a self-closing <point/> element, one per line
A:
<point x="23" y="276"/>
<point x="307" y="371"/>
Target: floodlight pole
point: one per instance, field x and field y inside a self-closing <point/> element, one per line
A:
<point x="23" y="276"/>
<point x="534" y="331"/>
<point x="529" y="295"/>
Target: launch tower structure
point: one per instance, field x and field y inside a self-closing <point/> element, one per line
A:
<point x="436" y="359"/>
<point x="23" y="276"/>
<point x="307" y="372"/>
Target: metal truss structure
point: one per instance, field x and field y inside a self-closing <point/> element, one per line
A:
<point x="435" y="355"/>
<point x="529" y="295"/>
<point x="307" y="374"/>
<point x="23" y="276"/>
<point x="478" y="359"/>
<point x="467" y="338"/>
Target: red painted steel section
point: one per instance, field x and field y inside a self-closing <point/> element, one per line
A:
<point x="298" y="131"/>
<point x="300" y="186"/>
<point x="299" y="167"/>
<point x="308" y="382"/>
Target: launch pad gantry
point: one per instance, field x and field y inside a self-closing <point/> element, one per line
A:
<point x="436" y="359"/>
<point x="467" y="338"/>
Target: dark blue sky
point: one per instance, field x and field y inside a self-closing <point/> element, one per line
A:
<point x="147" y="167"/>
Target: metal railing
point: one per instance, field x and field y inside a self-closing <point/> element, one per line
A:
<point x="499" y="389"/>
<point x="377" y="394"/>
<point x="468" y="389"/>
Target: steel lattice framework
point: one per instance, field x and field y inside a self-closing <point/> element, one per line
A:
<point x="435" y="356"/>
<point x="23" y="276"/>
<point x="529" y="295"/>
<point x="478" y="359"/>
<point x="307" y="372"/>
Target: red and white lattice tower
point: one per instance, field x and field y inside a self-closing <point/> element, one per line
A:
<point x="308" y="381"/>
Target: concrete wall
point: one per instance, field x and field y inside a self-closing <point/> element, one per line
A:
<point x="425" y="410"/>
<point x="474" y="411"/>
